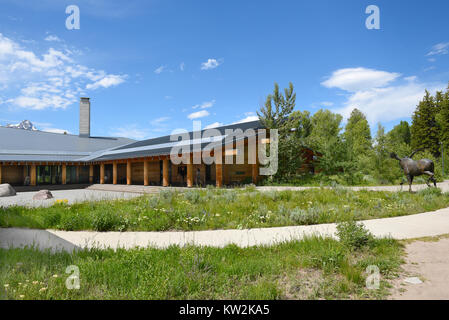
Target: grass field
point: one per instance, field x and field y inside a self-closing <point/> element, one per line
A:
<point x="225" y="209"/>
<point x="314" y="268"/>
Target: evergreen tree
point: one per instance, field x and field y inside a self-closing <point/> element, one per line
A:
<point x="400" y="133"/>
<point x="425" y="129"/>
<point x="443" y="119"/>
<point x="358" y="133"/>
<point x="280" y="117"/>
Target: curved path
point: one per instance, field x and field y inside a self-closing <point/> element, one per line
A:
<point x="406" y="227"/>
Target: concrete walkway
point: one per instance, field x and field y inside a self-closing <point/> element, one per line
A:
<point x="406" y="227"/>
<point x="444" y="186"/>
<point x="71" y="196"/>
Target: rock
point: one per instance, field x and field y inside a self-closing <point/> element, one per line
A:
<point x="6" y="190"/>
<point x="413" y="280"/>
<point x="43" y="195"/>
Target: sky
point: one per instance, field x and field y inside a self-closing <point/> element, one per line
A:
<point x="151" y="66"/>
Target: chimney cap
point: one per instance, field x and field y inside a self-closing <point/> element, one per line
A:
<point x="84" y="98"/>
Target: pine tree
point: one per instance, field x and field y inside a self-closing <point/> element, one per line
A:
<point x="280" y="117"/>
<point x="443" y="119"/>
<point x="425" y="129"/>
<point x="358" y="133"/>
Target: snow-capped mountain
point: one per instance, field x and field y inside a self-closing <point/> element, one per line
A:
<point x="25" y="125"/>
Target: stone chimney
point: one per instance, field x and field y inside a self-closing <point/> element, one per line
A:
<point x="84" y="118"/>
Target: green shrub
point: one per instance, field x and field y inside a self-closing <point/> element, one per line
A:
<point x="71" y="222"/>
<point x="305" y="217"/>
<point x="192" y="196"/>
<point x="353" y="235"/>
<point x="433" y="192"/>
<point x="107" y="220"/>
<point x="52" y="218"/>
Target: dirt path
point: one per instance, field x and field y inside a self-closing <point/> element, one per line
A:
<point x="429" y="261"/>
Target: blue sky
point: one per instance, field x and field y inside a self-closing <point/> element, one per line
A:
<point x="153" y="66"/>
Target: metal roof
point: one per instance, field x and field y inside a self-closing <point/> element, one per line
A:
<point x="163" y="145"/>
<point x="25" y="145"/>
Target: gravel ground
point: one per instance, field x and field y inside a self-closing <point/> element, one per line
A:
<point x="73" y="196"/>
<point x="428" y="261"/>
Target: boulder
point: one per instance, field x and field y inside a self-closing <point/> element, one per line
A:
<point x="43" y="195"/>
<point x="6" y="190"/>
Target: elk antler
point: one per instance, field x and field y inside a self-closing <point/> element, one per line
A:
<point x="416" y="151"/>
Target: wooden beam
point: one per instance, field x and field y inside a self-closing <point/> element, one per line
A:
<point x="64" y="174"/>
<point x="33" y="175"/>
<point x="114" y="173"/>
<point x="91" y="173"/>
<point x="128" y="173"/>
<point x="146" y="181"/>
<point x="102" y="173"/>
<point x="165" y="164"/>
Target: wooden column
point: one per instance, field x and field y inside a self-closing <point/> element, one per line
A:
<point x="77" y="168"/>
<point x="114" y="173"/>
<point x="128" y="173"/>
<point x="33" y="175"/>
<point x="64" y="174"/>
<point x="102" y="173"/>
<point x="190" y="173"/>
<point x="146" y="181"/>
<point x="165" y="164"/>
<point x="218" y="168"/>
<point x="91" y="173"/>
<point x="255" y="172"/>
<point x="219" y="175"/>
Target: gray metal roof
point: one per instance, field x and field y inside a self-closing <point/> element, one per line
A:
<point x="26" y="145"/>
<point x="163" y="145"/>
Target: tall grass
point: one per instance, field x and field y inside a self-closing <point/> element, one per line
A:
<point x="225" y="209"/>
<point x="314" y="268"/>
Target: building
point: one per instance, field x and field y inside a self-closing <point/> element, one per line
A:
<point x="42" y="158"/>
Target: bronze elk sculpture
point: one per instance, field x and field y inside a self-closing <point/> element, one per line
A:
<point x="414" y="168"/>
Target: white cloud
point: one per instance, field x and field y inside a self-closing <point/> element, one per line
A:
<point x="131" y="131"/>
<point x="327" y="104"/>
<point x="247" y="119"/>
<point x="159" y="70"/>
<point x="51" y="80"/>
<point x="182" y="66"/>
<point x="55" y="130"/>
<point x="440" y="48"/>
<point x="199" y="114"/>
<point x="355" y="79"/>
<point x="108" y="81"/>
<point x="213" y="125"/>
<point x="204" y="105"/>
<point x="160" y="120"/>
<point x="382" y="103"/>
<point x="52" y="38"/>
<point x="210" y="64"/>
